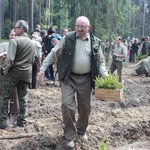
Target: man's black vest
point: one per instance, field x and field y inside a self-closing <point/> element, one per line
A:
<point x="65" y="61"/>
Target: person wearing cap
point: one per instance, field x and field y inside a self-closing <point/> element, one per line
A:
<point x="134" y="50"/>
<point x="54" y="41"/>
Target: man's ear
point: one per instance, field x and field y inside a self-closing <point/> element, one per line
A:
<point x="89" y="27"/>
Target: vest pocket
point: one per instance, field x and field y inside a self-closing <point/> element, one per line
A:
<point x="65" y="65"/>
<point x="62" y="71"/>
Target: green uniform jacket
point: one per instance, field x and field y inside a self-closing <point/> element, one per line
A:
<point x="20" y="57"/>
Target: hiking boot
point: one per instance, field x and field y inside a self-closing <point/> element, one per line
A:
<point x="3" y="126"/>
<point x="147" y="75"/>
<point x="70" y="144"/>
<point x="84" y="137"/>
<point x="21" y="123"/>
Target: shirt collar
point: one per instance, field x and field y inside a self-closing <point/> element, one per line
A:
<point x="119" y="45"/>
<point x="86" y="38"/>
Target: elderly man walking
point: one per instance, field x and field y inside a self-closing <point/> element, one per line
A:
<point x="17" y="70"/>
<point x="80" y="60"/>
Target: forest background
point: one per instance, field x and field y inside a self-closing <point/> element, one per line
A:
<point x="109" y="18"/>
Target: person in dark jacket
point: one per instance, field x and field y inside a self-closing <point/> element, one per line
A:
<point x="17" y="70"/>
<point x="80" y="60"/>
<point x="145" y="46"/>
<point x="47" y="46"/>
<point x="134" y="50"/>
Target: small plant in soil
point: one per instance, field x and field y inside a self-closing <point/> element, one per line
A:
<point x="140" y="57"/>
<point x="103" y="144"/>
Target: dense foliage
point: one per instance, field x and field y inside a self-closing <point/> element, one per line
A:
<point x="110" y="82"/>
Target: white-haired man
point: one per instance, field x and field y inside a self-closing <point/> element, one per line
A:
<point x="80" y="60"/>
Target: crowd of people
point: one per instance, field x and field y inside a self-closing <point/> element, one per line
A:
<point x="80" y="58"/>
<point x="136" y="49"/>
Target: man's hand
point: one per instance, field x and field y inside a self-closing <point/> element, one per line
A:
<point x="115" y="54"/>
<point x="3" y="54"/>
<point x="41" y="75"/>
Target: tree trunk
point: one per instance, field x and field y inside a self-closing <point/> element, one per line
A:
<point x="49" y="8"/>
<point x="30" y="10"/>
<point x="15" y="16"/>
<point x="52" y="11"/>
<point x="1" y="16"/>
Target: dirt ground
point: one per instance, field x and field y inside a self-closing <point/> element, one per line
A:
<point x="126" y="123"/>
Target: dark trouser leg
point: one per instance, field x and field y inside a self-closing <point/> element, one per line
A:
<point x="34" y="74"/>
<point x="8" y="85"/>
<point x="51" y="71"/>
<point x="119" y="70"/>
<point x="3" y="111"/>
<point x="133" y="57"/>
<point x="68" y="111"/>
<point x="117" y="65"/>
<point x="47" y="74"/>
<point x="130" y="57"/>
<point x="147" y="75"/>
<point x="22" y="93"/>
<point x="81" y="84"/>
<point x="113" y="67"/>
<point x="84" y="107"/>
<point x="1" y="80"/>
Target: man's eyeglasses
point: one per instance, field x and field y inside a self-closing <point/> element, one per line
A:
<point x="81" y="27"/>
<point x="16" y="27"/>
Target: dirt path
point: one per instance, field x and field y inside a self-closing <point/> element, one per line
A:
<point x="126" y="123"/>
